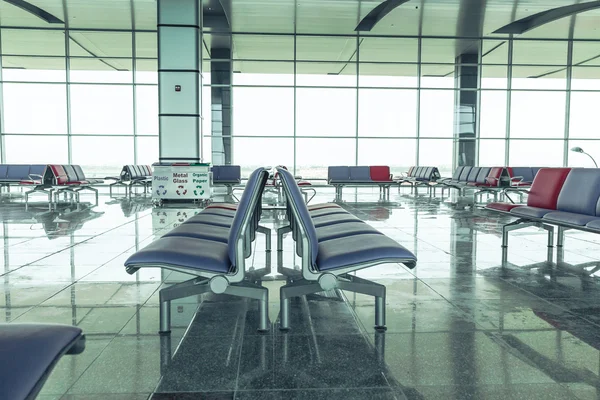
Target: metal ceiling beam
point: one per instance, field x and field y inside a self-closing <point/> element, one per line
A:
<point x="533" y="21"/>
<point x="377" y="14"/>
<point x="35" y="10"/>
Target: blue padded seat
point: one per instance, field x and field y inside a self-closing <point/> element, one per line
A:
<point x="185" y="253"/>
<point x="344" y="229"/>
<point x="327" y="211"/>
<point x="525" y="172"/>
<point x="229" y="173"/>
<point x="210" y="219"/>
<point x="360" y="174"/>
<point x="580" y="192"/>
<point x="3" y="171"/>
<point x="219" y="211"/>
<point x="37" y="169"/>
<point x="595" y="224"/>
<point x="457" y="173"/>
<point x="464" y="174"/>
<point x="30" y="352"/>
<point x="472" y="177"/>
<point x="569" y="218"/>
<point x="351" y="250"/>
<point x="482" y="175"/>
<point x="201" y="231"/>
<point x="425" y="174"/>
<point x="531" y="212"/>
<point x="338" y="174"/>
<point x="326" y="220"/>
<point x="17" y="173"/>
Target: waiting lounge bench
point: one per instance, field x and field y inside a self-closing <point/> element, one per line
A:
<point x="29" y="353"/>
<point x="131" y="176"/>
<point x="568" y="198"/>
<point x="226" y="175"/>
<point x="212" y="245"/>
<point x="341" y="176"/>
<point x="332" y="244"/>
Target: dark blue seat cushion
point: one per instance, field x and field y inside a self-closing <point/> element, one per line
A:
<point x="335" y="231"/>
<point x="29" y="352"/>
<point x="360" y="174"/>
<point x="327" y="211"/>
<point x="227" y="173"/>
<point x="359" y="249"/>
<point x="531" y="212"/>
<point x="201" y="231"/>
<point x="210" y="219"/>
<point x="580" y="192"/>
<point x="333" y="219"/>
<point x="569" y="218"/>
<point x="595" y="224"/>
<point x="340" y="173"/>
<point x="183" y="253"/>
<point x="219" y="211"/>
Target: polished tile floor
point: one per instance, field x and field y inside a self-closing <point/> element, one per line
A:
<point x="462" y="325"/>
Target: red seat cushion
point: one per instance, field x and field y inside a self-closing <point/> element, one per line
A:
<point x="304" y="183"/>
<point x="502" y="206"/>
<point x="30" y="183"/>
<point x="546" y="187"/>
<point x="380" y="173"/>
<point x="493" y="178"/>
<point x="224" y="206"/>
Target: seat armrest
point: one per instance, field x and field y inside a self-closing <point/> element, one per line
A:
<point x="515" y="190"/>
<point x="116" y="178"/>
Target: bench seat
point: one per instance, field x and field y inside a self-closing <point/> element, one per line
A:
<point x="358" y="249"/>
<point x="334" y="219"/>
<point x="184" y="253"/>
<point x="201" y="231"/>
<point x="531" y="212"/>
<point x="209" y="219"/>
<point x="505" y="207"/>
<point x="595" y="224"/>
<point x="327" y="211"/>
<point x="569" y="218"/>
<point x="335" y="231"/>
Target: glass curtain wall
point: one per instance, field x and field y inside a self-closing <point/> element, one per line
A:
<point x="91" y="98"/>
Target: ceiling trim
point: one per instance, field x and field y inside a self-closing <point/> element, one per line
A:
<point x="533" y="21"/>
<point x="35" y="10"/>
<point x="377" y="14"/>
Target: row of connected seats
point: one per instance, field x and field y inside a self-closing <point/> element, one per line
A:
<point x="214" y="245"/>
<point x="62" y="179"/>
<point x="420" y="176"/>
<point x="131" y="176"/>
<point x="340" y="176"/>
<point x="568" y="198"/>
<point x="332" y="244"/>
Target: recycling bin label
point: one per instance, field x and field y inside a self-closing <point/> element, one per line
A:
<point x="181" y="182"/>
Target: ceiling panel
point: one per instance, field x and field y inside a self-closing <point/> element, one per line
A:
<point x="327" y="16"/>
<point x="263" y="16"/>
<point x="263" y="47"/>
<point x="145" y="14"/>
<point x="11" y="15"/>
<point x="99" y="14"/>
<point x="100" y="44"/>
<point x="39" y="63"/>
<point x="33" y="42"/>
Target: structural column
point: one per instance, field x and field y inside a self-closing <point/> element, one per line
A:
<point x="466" y="81"/>
<point x="180" y="79"/>
<point x="221" y="103"/>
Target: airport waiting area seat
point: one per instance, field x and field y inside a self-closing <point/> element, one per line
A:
<point x="418" y="177"/>
<point x="566" y="198"/>
<point x="30" y="353"/>
<point x="343" y="176"/>
<point x="226" y="175"/>
<point x="213" y="246"/>
<point x="332" y="244"/>
<point x="132" y="176"/>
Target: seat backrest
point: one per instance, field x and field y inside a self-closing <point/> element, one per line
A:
<point x="148" y="170"/>
<point x="427" y="173"/>
<point x="546" y="187"/>
<point x="435" y="174"/>
<point x="246" y="209"/>
<point x="523" y="172"/>
<point x="338" y="173"/>
<point x="360" y="173"/>
<point x="493" y="178"/>
<point x="535" y="170"/>
<point x="380" y="173"/>
<point x="60" y="176"/>
<point x="410" y="171"/>
<point x="417" y="172"/>
<point x="215" y="169"/>
<point x="473" y="174"/>
<point x="580" y="192"/>
<point x="3" y="171"/>
<point x="37" y="169"/>
<point x="229" y="173"/>
<point x="71" y="175"/>
<point x="482" y="175"/>
<point x="465" y="173"/>
<point x="17" y="172"/>
<point x="301" y="214"/>
<point x="457" y="172"/>
<point x="79" y="172"/>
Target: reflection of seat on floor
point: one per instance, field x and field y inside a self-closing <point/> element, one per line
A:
<point x="66" y="223"/>
<point x="132" y="205"/>
<point x="314" y="356"/>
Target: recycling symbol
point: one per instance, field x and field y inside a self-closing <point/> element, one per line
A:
<point x="197" y="191"/>
<point x="181" y="193"/>
<point x="161" y="188"/>
<point x="161" y="213"/>
<point x="181" y="216"/>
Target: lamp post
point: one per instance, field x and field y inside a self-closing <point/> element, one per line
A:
<point x="580" y="150"/>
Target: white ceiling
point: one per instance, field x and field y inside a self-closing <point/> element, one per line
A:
<point x="339" y="17"/>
